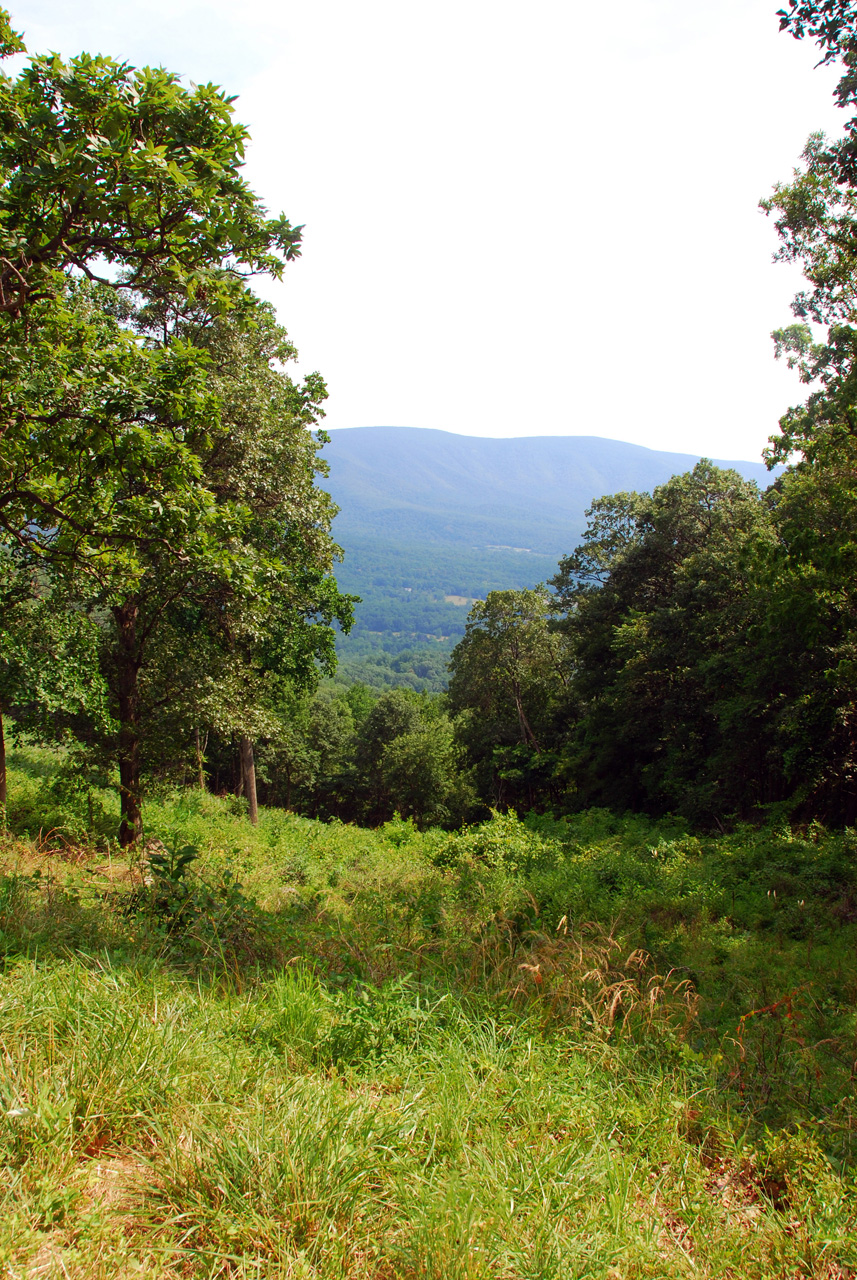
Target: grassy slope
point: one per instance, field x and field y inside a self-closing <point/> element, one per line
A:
<point x="595" y="1049"/>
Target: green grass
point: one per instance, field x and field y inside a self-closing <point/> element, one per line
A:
<point x="595" y="1048"/>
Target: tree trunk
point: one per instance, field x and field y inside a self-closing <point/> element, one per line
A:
<point x="248" y="770"/>
<point x="527" y="736"/>
<point x="128" y="663"/>
<point x="2" y="762"/>
<point x="200" y="771"/>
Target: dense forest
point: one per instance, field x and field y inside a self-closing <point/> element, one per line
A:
<point x="533" y="957"/>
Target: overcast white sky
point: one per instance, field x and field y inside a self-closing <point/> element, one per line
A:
<point x="520" y="220"/>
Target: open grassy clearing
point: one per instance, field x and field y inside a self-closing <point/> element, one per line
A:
<point x="583" y="1049"/>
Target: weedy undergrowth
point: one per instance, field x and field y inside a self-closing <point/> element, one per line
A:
<point x="582" y="1049"/>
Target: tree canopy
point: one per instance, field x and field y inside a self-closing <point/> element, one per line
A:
<point x="157" y="465"/>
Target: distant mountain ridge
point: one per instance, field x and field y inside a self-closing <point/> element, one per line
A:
<point x="430" y="521"/>
<point x="418" y="484"/>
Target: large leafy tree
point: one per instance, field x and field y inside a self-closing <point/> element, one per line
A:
<point x="122" y="176"/>
<point x="155" y="461"/>
<point x="128" y="177"/>
<point x="112" y="174"/>
<point x="508" y="675"/>
<point x="212" y="636"/>
<point x="816" y="590"/>
<point x="662" y="607"/>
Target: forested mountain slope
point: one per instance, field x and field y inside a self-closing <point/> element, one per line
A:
<point x="430" y="521"/>
<point x="409" y="484"/>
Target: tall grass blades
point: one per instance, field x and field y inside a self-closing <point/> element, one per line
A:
<point x="588" y="1048"/>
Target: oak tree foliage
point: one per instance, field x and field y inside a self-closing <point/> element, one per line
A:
<point x="158" y="466"/>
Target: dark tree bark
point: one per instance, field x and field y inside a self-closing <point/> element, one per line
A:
<point x="527" y="736"/>
<point x="248" y="771"/>
<point x="128" y="670"/>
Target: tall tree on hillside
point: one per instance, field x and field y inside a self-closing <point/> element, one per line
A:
<point x="218" y="645"/>
<point x="103" y="164"/>
<point x="816" y="216"/>
<point x="126" y="466"/>
<point x="507" y="677"/>
<point x="660" y="619"/>
<point x="203" y="627"/>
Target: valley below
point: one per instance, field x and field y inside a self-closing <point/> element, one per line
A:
<point x="430" y="522"/>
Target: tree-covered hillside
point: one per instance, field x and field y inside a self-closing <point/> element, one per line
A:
<point x="168" y="604"/>
<point x="420" y="486"/>
<point x="431" y="522"/>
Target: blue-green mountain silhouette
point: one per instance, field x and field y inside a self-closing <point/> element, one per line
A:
<point x="426" y="515"/>
<point x="413" y="484"/>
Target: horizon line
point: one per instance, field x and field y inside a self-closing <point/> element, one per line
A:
<point x="689" y="453"/>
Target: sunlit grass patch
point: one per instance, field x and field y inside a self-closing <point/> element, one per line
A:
<point x="583" y="1049"/>
<point x="208" y="1128"/>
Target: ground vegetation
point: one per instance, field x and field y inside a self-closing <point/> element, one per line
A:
<point x="538" y="1049"/>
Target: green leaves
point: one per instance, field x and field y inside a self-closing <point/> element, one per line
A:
<point x="106" y="164"/>
<point x="661" y="654"/>
<point x="97" y="461"/>
<point x="48" y="654"/>
<point x="155" y="462"/>
<point x="10" y="41"/>
<point x="173" y="864"/>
